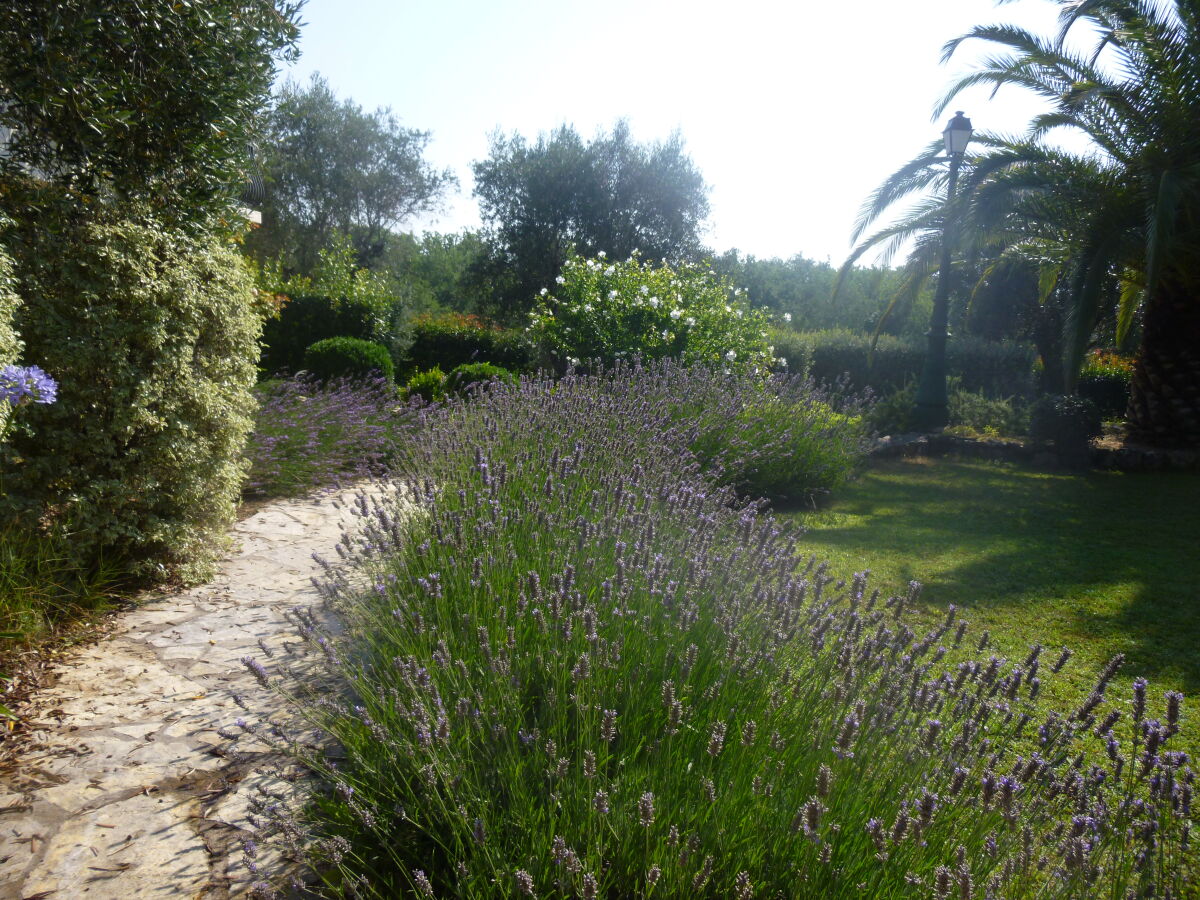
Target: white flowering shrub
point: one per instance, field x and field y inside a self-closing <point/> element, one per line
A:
<point x="605" y="311"/>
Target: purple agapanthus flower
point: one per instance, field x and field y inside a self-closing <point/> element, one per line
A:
<point x="20" y="385"/>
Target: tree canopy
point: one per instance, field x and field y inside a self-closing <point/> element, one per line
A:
<point x="609" y="195"/>
<point x="332" y="169"/>
<point x="155" y="102"/>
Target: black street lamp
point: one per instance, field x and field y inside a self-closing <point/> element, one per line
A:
<point x="931" y="411"/>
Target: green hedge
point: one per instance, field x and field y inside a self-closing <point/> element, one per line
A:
<point x="447" y="342"/>
<point x="305" y="320"/>
<point x="152" y="336"/>
<point x="996" y="369"/>
<point x="348" y="357"/>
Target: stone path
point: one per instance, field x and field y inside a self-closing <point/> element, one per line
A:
<point x="128" y="789"/>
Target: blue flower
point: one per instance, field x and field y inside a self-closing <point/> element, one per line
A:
<point x="20" y="385"/>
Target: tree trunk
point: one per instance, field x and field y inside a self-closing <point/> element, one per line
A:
<point x="1164" y="401"/>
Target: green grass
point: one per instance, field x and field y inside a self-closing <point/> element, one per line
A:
<point x="1103" y="563"/>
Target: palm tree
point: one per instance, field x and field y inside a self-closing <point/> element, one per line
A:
<point x="1119" y="224"/>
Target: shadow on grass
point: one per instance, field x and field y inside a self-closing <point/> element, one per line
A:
<point x="1104" y="562"/>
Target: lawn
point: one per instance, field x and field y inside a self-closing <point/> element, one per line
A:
<point x="1103" y="563"/>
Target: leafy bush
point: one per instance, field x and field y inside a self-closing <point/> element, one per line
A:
<point x="570" y="664"/>
<point x="792" y="351"/>
<point x="996" y="369"/>
<point x="449" y="340"/>
<point x="462" y="377"/>
<point x="975" y="411"/>
<point x="303" y="321"/>
<point x="348" y="357"/>
<point x="605" y="311"/>
<point x="10" y="341"/>
<point x="971" y="411"/>
<point x="1104" y="380"/>
<point x="310" y="434"/>
<point x="429" y="385"/>
<point x="1068" y="422"/>
<point x="152" y="335"/>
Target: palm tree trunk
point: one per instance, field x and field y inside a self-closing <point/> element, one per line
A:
<point x="1164" y="400"/>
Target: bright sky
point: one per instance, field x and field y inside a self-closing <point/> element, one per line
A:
<point x="793" y="111"/>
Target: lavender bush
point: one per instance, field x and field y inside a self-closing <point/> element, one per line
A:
<point x="309" y="434"/>
<point x="573" y="664"/>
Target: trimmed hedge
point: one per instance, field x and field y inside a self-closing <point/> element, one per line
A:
<point x="996" y="369"/>
<point x="348" y="357"/>
<point x="152" y="335"/>
<point x="302" y="322"/>
<point x="451" y="340"/>
<point x="429" y="385"/>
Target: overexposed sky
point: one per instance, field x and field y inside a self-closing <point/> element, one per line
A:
<point x="793" y="111"/>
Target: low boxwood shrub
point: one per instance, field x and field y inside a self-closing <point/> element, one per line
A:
<point x="303" y="321"/>
<point x="604" y="311"/>
<point x="348" y="357"/>
<point x="429" y="385"/>
<point x="152" y="335"/>
<point x="462" y="377"/>
<point x="570" y="663"/>
<point x="451" y="339"/>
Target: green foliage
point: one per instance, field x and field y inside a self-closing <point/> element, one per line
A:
<point x="1105" y="380"/>
<point x="462" y="377"/>
<point x="448" y="340"/>
<point x="608" y="195"/>
<point x="348" y="357"/>
<point x="441" y="270"/>
<point x="44" y="581"/>
<point x="792" y="350"/>
<point x="997" y="369"/>
<point x="302" y="322"/>
<point x="606" y="311"/>
<point x="152" y="335"/>
<point x="803" y="290"/>
<point x="802" y="446"/>
<point x="155" y="101"/>
<point x="973" y="412"/>
<point x="10" y="341"/>
<point x="332" y="169"/>
<point x="429" y="385"/>
<point x="1067" y="422"/>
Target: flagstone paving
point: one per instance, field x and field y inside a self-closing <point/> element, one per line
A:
<point x="128" y="787"/>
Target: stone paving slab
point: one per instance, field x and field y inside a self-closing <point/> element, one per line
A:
<point x="126" y="790"/>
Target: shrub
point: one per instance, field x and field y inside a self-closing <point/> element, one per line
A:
<point x="569" y="663"/>
<point x="1068" y="423"/>
<point x="449" y="340"/>
<point x="975" y="411"/>
<point x="348" y="357"/>
<point x="1104" y="380"/>
<point x="996" y="369"/>
<point x="462" y="377"/>
<point x="605" y="311"/>
<point x="10" y="341"/>
<point x="151" y="335"/>
<point x="303" y="321"/>
<point x="309" y="434"/>
<point x="429" y="385"/>
<point x="792" y="351"/>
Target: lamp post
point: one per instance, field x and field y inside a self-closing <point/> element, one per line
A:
<point x="930" y="411"/>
